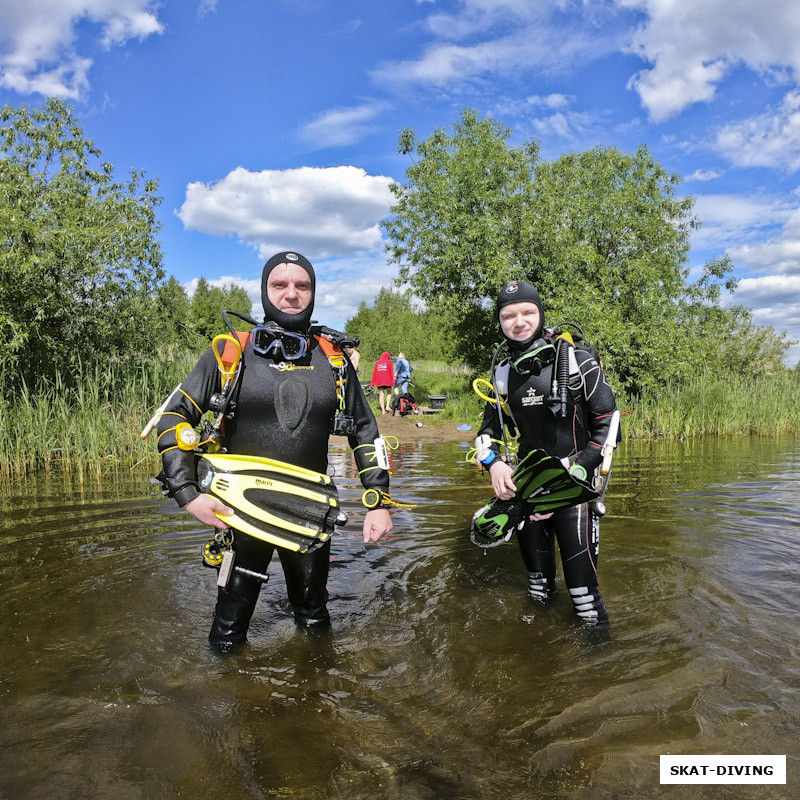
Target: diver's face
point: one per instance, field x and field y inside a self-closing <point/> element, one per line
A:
<point x="289" y="288"/>
<point x="520" y="321"/>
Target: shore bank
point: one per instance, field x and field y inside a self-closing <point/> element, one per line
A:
<point x="422" y="428"/>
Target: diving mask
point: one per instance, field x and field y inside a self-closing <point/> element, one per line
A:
<point x="270" y="340"/>
<point x="538" y="355"/>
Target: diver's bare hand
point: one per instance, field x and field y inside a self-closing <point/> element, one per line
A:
<point x="537" y="517"/>
<point x="204" y="508"/>
<point x="376" y="523"/>
<point x="502" y="484"/>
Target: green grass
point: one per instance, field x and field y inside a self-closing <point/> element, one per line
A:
<point x="96" y="426"/>
<point x="709" y="404"/>
<point x="717" y="405"/>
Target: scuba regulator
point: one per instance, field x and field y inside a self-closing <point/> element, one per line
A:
<point x="557" y="345"/>
<point x="333" y="344"/>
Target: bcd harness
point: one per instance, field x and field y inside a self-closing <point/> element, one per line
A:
<point x="543" y="483"/>
<point x="342" y="424"/>
<point x="557" y="347"/>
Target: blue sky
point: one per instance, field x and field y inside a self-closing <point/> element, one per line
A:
<point x="273" y="124"/>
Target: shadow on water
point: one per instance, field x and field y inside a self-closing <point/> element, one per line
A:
<point x="439" y="677"/>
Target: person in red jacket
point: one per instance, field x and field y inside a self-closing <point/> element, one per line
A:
<point x="383" y="379"/>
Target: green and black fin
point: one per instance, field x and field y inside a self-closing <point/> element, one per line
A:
<point x="495" y="522"/>
<point x="280" y="503"/>
<point x="545" y="484"/>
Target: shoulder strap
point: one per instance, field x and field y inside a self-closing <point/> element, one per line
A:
<point x="338" y="363"/>
<point x="332" y="351"/>
<point x="230" y="354"/>
<point x="501" y="374"/>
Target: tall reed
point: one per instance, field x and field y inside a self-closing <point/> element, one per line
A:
<point x="96" y="425"/>
<point x="718" y="405"/>
<point x="708" y="404"/>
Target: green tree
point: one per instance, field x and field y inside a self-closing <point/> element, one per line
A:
<point x="80" y="260"/>
<point x="456" y="229"/>
<point x="205" y="308"/>
<point x="237" y="299"/>
<point x="174" y="312"/>
<point x="738" y="345"/>
<point x="392" y="323"/>
<point x="208" y="303"/>
<point x="608" y="244"/>
<point x="602" y="234"/>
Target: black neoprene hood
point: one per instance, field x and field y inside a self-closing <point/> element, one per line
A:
<point x="289" y="322"/>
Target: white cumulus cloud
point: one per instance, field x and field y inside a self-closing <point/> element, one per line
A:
<point x="343" y="284"/>
<point x="730" y="220"/>
<point x="547" y="117"/>
<point x="771" y="139"/>
<point x="694" y="45"/>
<point x="37" y="40"/>
<point x="703" y="175"/>
<point x="779" y="255"/>
<point x="775" y="302"/>
<point x="771" y="290"/>
<point x="490" y="38"/>
<point x="322" y="212"/>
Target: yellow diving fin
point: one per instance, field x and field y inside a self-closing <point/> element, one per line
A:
<point x="280" y="503"/>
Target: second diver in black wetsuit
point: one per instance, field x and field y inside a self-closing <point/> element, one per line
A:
<point x="283" y="411"/>
<point x="525" y="381"/>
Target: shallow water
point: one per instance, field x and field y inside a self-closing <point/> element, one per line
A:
<point x="439" y="677"/>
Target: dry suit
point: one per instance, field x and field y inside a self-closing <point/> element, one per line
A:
<point x="283" y="410"/>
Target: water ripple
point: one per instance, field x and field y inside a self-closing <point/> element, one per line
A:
<point x="440" y="677"/>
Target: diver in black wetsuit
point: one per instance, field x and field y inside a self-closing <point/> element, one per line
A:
<point x="526" y="384"/>
<point x="283" y="411"/>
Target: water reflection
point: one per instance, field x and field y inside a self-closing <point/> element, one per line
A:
<point x="439" y="679"/>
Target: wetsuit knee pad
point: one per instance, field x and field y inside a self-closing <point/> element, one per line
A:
<point x="539" y="586"/>
<point x="588" y="604"/>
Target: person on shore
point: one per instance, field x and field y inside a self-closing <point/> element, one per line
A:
<point x="355" y="359"/>
<point x="525" y="383"/>
<point x="402" y="374"/>
<point x="383" y="380"/>
<point x="284" y="407"/>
